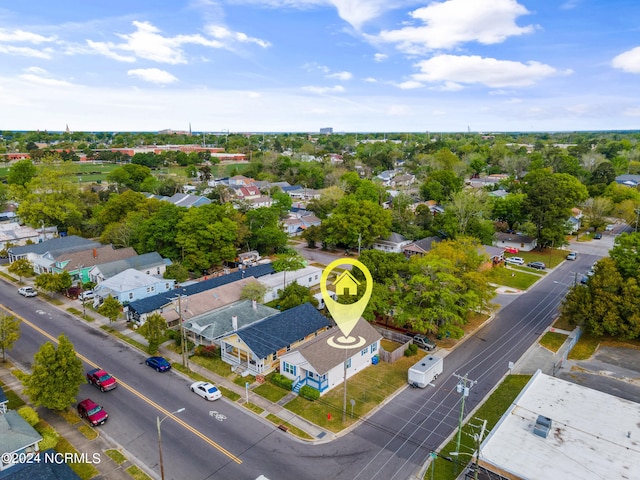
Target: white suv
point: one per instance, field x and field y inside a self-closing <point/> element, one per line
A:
<point x="27" y="291"/>
<point x="515" y="260"/>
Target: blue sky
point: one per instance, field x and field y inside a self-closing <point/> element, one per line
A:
<point x="299" y="65"/>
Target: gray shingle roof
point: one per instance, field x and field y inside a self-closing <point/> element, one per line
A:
<point x="40" y="471"/>
<point x="16" y="433"/>
<point x="56" y="246"/>
<point x="274" y="333"/>
<point x="156" y="302"/>
<point x="322" y="357"/>
<point x="139" y="262"/>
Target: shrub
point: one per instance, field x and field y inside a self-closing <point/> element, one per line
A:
<point x="210" y="351"/>
<point x="49" y="439"/>
<point x="309" y="393"/>
<point x="411" y="350"/>
<point x="30" y="415"/>
<point x="282" y="381"/>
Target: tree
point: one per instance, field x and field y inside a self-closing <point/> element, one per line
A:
<point x="154" y="330"/>
<point x="21" y="173"/>
<point x="596" y="211"/>
<point x="110" y="308"/>
<point x="509" y="209"/>
<point x="9" y="333"/>
<point x="293" y="295"/>
<point x="253" y="291"/>
<point x="626" y="254"/>
<point x="54" y="282"/>
<point x="356" y="222"/>
<point x="465" y="206"/>
<point x="176" y="271"/>
<point x="288" y="261"/>
<point x="129" y="176"/>
<point x="440" y="185"/>
<point x="22" y="267"/>
<point x="56" y="376"/>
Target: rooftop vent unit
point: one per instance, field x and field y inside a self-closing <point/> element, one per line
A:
<point x="542" y="426"/>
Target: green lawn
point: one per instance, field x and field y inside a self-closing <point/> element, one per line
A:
<point x="584" y="348"/>
<point x="491" y="411"/>
<point x="270" y="391"/>
<point x="512" y="278"/>
<point x="216" y="365"/>
<point x="369" y="388"/>
<point x="553" y="340"/>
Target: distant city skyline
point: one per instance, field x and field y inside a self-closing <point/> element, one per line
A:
<point x="303" y="65"/>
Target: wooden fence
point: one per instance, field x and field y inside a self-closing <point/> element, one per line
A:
<point x="403" y="340"/>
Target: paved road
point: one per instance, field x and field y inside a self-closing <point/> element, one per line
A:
<point x="392" y="444"/>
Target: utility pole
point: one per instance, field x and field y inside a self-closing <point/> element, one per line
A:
<point x="637" y="212"/>
<point x="463" y="387"/>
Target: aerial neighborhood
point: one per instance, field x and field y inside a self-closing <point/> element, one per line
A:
<point x="205" y="260"/>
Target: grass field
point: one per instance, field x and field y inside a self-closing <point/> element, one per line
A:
<point x="553" y="340"/>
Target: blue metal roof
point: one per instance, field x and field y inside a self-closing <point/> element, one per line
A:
<point x="278" y="331"/>
<point x="151" y="304"/>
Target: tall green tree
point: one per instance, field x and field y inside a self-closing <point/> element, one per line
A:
<point x="56" y="376"/>
<point x="293" y="295"/>
<point x="209" y="235"/>
<point x="110" y="308"/>
<point x="356" y="222"/>
<point x="154" y="330"/>
<point x="509" y="209"/>
<point x="626" y="255"/>
<point x="21" y="173"/>
<point x="9" y="333"/>
<point x="288" y="261"/>
<point x="21" y="267"/>
<point x="54" y="282"/>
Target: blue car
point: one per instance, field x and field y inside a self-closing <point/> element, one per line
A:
<point x="159" y="363"/>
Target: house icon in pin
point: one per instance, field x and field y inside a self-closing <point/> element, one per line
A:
<point x="346" y="284"/>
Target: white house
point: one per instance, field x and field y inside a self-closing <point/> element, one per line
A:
<point x="307" y="277"/>
<point x="132" y="285"/>
<point x="322" y="366"/>
<point x="513" y="240"/>
<point x="394" y="243"/>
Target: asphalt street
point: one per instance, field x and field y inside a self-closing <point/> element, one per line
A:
<point x="391" y="444"/>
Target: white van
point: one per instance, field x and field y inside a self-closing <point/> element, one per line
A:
<point x="321" y="305"/>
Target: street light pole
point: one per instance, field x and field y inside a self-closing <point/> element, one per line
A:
<point x="158" y="423"/>
<point x="462" y="388"/>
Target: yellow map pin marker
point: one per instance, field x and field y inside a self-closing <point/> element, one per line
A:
<point x="346" y="315"/>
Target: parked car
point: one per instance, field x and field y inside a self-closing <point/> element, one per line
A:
<point x="159" y="363"/>
<point x="597" y="236"/>
<point x="584" y="279"/>
<point x="94" y="413"/>
<point x="572" y="256"/>
<point x="515" y="260"/>
<point x="609" y="228"/>
<point x="27" y="291"/>
<point x="537" y="265"/>
<point x="86" y="295"/>
<point x="511" y="250"/>
<point x="424" y="342"/>
<point x="101" y="379"/>
<point x="206" y="390"/>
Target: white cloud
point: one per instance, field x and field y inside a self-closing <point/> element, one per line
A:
<point x="477" y="70"/>
<point x="22" y="36"/>
<point x="371" y="80"/>
<point x="26" y="51"/>
<point x="153" y="75"/>
<point x="410" y="84"/>
<point x="148" y="43"/>
<point x="324" y="90"/>
<point x="628" y="61"/>
<point x="451" y="23"/>
<point x="380" y="57"/>
<point x="341" y="76"/>
<point x="40" y="76"/>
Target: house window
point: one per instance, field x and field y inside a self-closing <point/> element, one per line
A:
<point x="148" y="273"/>
<point x="364" y="352"/>
<point x="274" y="356"/>
<point x="166" y="286"/>
<point x="374" y="347"/>
<point x="158" y="271"/>
<point x="131" y="296"/>
<point x="288" y="348"/>
<point x="288" y="368"/>
<point x="347" y="364"/>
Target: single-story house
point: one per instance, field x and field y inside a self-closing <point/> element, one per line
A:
<point x="575" y="221"/>
<point x="132" y="285"/>
<point x="628" y="180"/>
<point x="307" y="277"/>
<point x="12" y="233"/>
<point x="394" y="243"/>
<point x="138" y="310"/>
<point x="322" y="366"/>
<point x="258" y="347"/>
<point x="188" y="200"/>
<point x="53" y="247"/>
<point x="150" y="263"/>
<point x="16" y="437"/>
<point x="495" y="254"/>
<point x="420" y="247"/>
<point x="210" y="327"/>
<point x="514" y="240"/>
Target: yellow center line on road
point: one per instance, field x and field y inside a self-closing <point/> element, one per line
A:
<point x="132" y="390"/>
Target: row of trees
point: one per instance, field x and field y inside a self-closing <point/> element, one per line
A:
<point x="609" y="303"/>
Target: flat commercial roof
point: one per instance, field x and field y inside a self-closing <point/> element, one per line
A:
<point x="593" y="435"/>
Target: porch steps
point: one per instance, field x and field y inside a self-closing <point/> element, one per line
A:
<point x="296" y="387"/>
